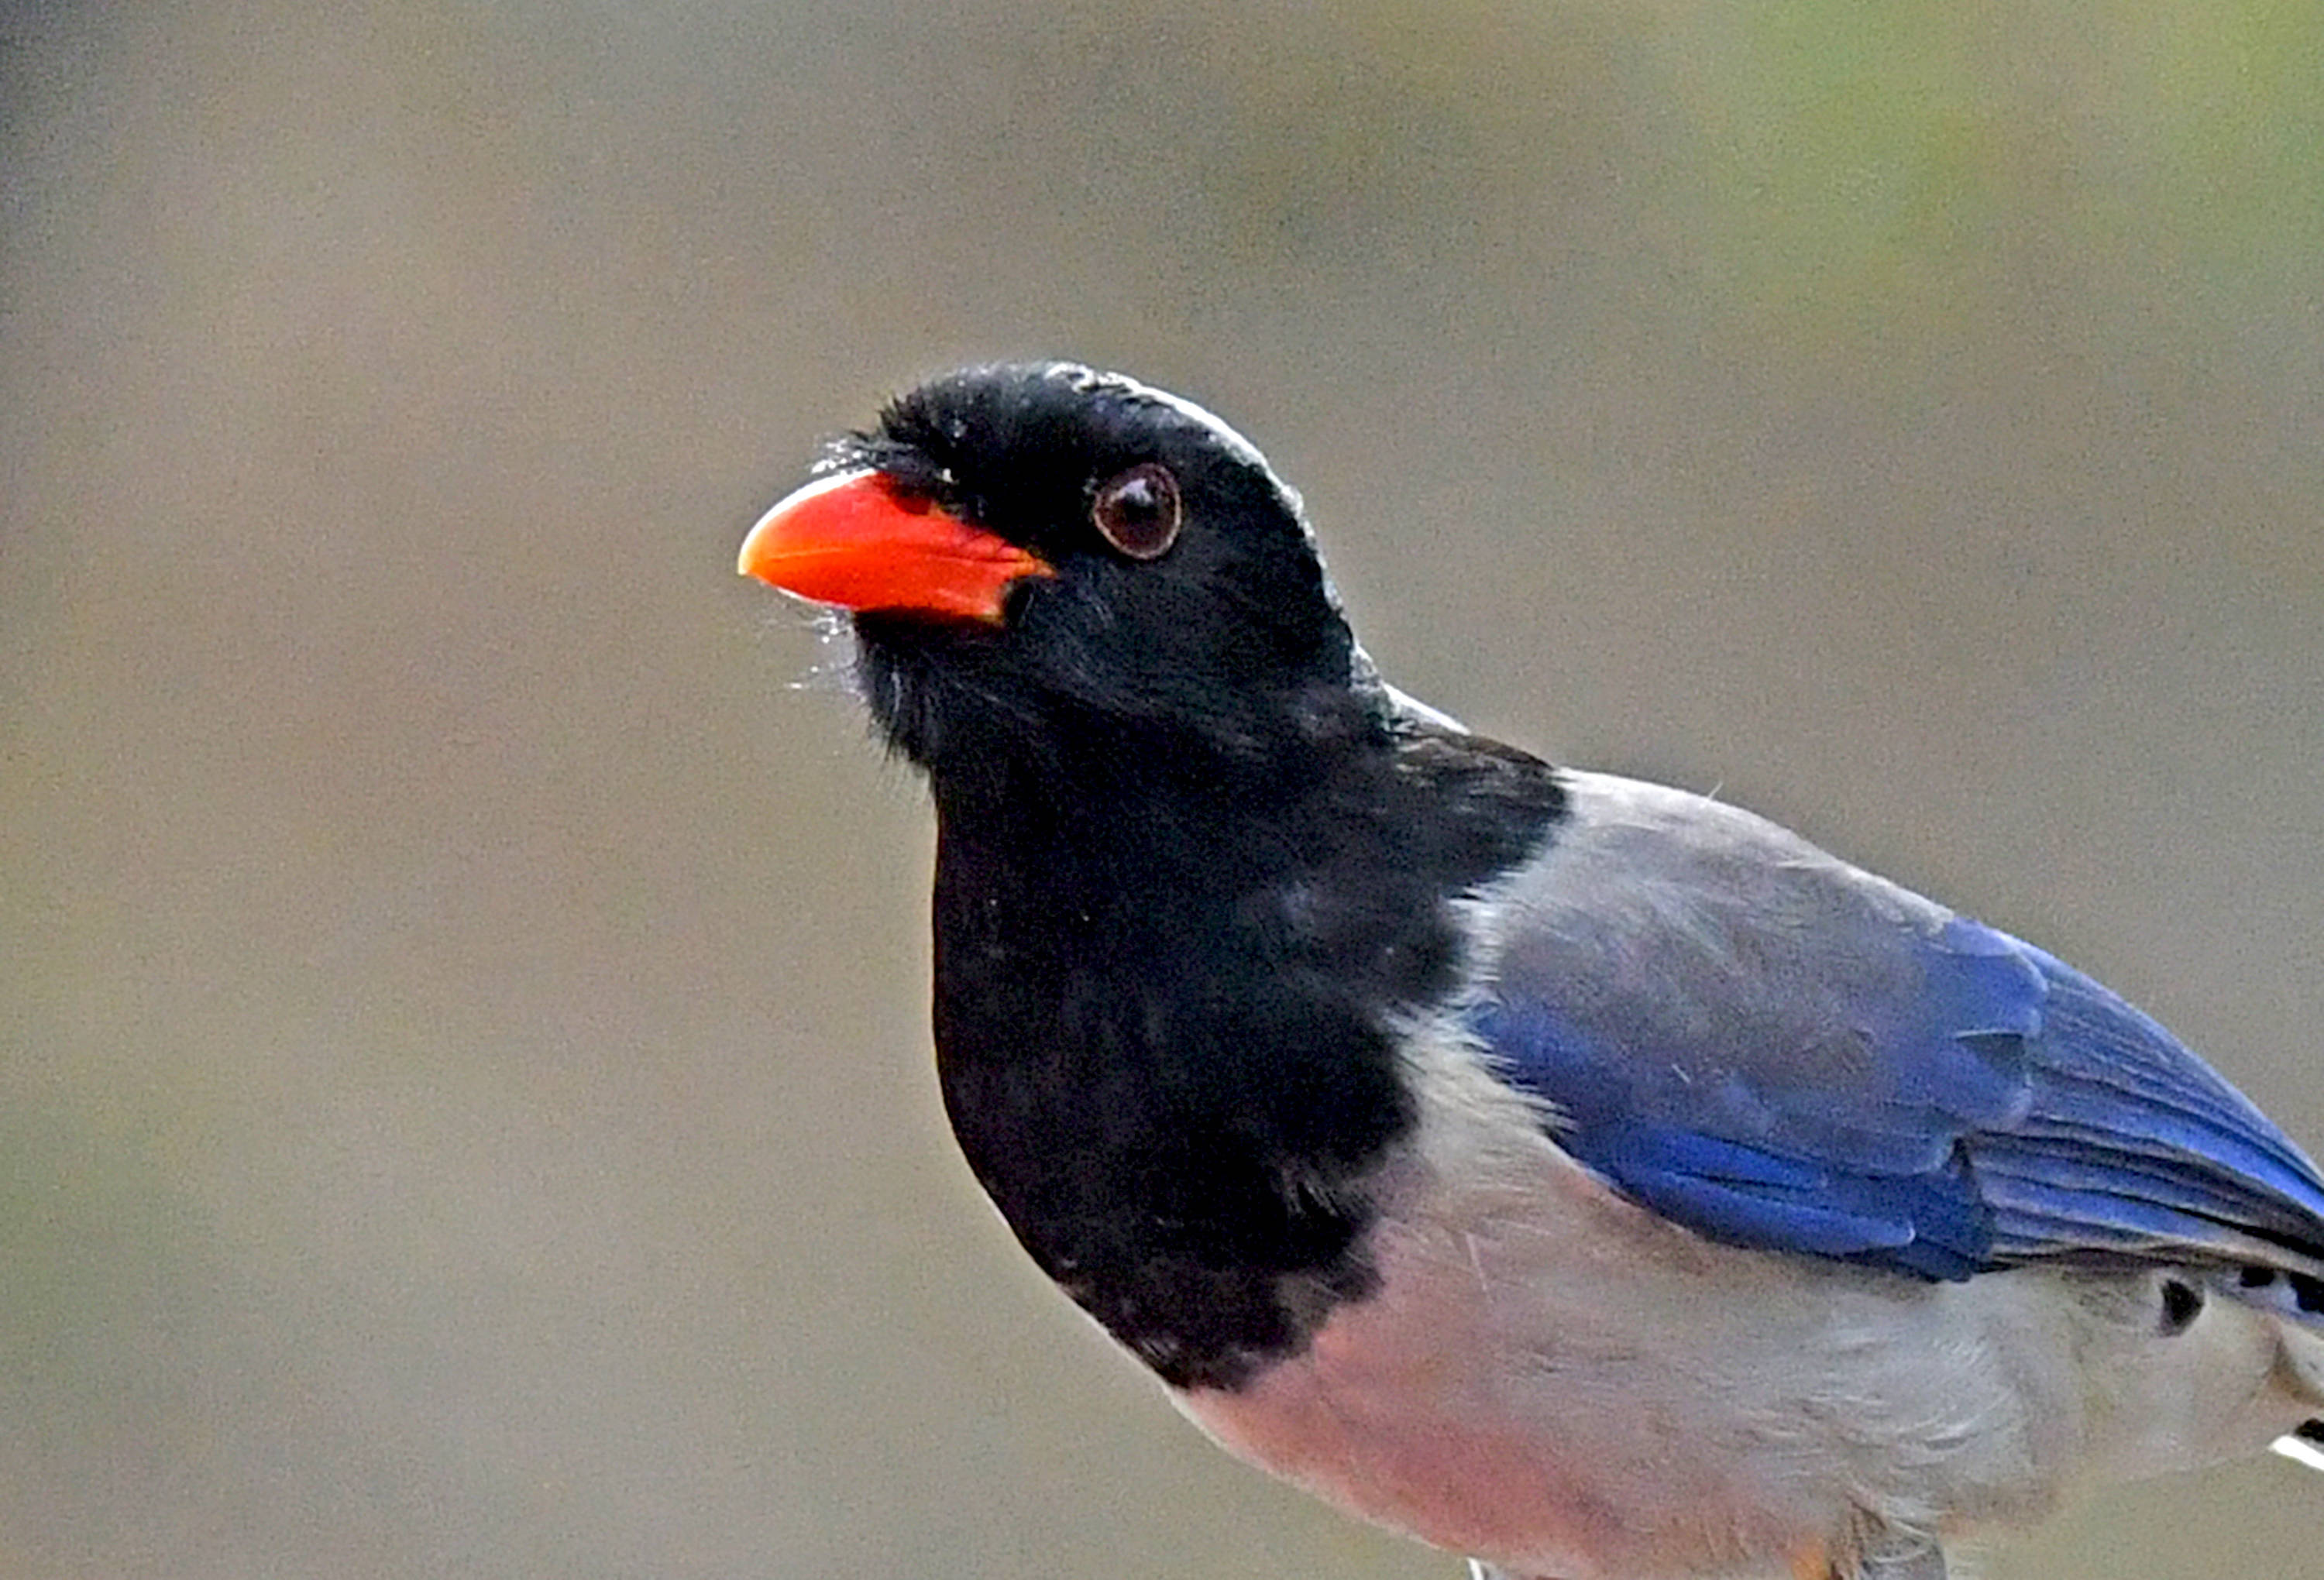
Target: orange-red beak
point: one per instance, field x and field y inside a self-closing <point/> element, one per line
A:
<point x="850" y="540"/>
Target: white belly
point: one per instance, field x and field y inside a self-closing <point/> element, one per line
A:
<point x="1558" y="1381"/>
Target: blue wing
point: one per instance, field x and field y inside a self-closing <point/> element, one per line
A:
<point x="1781" y="1051"/>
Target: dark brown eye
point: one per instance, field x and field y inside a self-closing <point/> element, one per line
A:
<point x="1137" y="512"/>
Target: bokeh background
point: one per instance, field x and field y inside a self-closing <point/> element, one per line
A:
<point x="464" y="1104"/>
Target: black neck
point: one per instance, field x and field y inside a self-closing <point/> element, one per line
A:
<point x="1167" y="980"/>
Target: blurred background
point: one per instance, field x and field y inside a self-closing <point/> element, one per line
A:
<point x="465" y="1103"/>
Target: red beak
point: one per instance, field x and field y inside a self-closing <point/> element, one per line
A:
<point x="850" y="540"/>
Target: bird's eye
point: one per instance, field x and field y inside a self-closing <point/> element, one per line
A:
<point x="1137" y="512"/>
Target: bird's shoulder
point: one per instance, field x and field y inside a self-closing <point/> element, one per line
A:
<point x="1694" y="913"/>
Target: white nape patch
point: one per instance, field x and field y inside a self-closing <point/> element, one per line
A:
<point x="1229" y="438"/>
<point x="1413" y="705"/>
<point x="2300" y="1451"/>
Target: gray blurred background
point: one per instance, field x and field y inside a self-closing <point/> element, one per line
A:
<point x="464" y="1104"/>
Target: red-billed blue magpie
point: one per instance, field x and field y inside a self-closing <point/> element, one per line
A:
<point x="1583" y="1175"/>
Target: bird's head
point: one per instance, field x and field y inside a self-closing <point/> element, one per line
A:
<point x="1040" y="558"/>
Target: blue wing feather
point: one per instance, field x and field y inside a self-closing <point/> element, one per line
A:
<point x="1953" y="1100"/>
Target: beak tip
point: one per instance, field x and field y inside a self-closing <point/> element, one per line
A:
<point x="749" y="559"/>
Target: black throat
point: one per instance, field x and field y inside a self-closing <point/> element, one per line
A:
<point x="1168" y="984"/>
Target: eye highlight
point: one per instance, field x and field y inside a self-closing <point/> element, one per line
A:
<point x="1136" y="511"/>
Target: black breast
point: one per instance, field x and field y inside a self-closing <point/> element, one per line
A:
<point x="1164" y="1017"/>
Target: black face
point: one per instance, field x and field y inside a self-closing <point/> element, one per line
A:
<point x="1194" y="868"/>
<point x="1189" y="602"/>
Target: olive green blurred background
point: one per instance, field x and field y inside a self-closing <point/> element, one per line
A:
<point x="464" y="1092"/>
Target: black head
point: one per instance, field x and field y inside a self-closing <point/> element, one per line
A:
<point x="1167" y="597"/>
<point x="1195" y="864"/>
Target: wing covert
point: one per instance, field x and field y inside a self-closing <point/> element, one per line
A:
<point x="1784" y="1052"/>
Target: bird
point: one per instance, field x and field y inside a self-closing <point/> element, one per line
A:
<point x="1589" y="1177"/>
